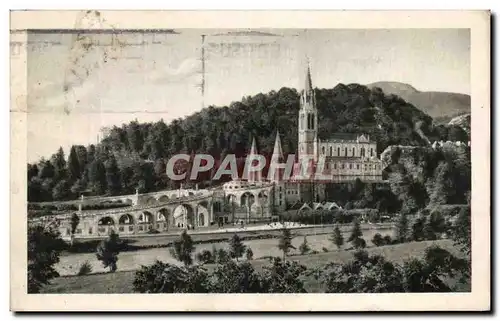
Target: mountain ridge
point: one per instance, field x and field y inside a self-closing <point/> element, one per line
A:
<point x="440" y="105"/>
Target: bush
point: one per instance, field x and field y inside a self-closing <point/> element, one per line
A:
<point x="325" y="249"/>
<point x="249" y="254"/>
<point x="85" y="268"/>
<point x="388" y="240"/>
<point x="378" y="240"/>
<point x="205" y="257"/>
<point x="304" y="247"/>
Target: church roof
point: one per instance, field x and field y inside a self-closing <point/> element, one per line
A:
<point x="336" y="137"/>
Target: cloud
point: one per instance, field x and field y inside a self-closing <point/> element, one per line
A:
<point x="186" y="69"/>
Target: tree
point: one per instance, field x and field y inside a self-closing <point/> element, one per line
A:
<point x="417" y="229"/>
<point x="75" y="220"/>
<point x="59" y="162"/>
<point x="435" y="226"/>
<point x="429" y="274"/>
<point x="74" y="170"/>
<point x="108" y="250"/>
<point x="337" y="237"/>
<point x="285" y="242"/>
<point x="237" y="247"/>
<point x="168" y="278"/>
<point x="356" y="235"/>
<point x="62" y="190"/>
<point x="232" y="277"/>
<point x="97" y="177"/>
<point x="249" y="254"/>
<point x="304" y="247"/>
<point x="283" y="277"/>
<point x="113" y="178"/>
<point x="461" y="230"/>
<point x="402" y="228"/>
<point x="363" y="274"/>
<point x="183" y="249"/>
<point x="44" y="248"/>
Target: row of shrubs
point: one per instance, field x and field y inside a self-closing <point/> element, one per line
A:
<point x="334" y="216"/>
<point x="74" y="207"/>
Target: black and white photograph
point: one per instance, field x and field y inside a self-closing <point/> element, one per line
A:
<point x="210" y="160"/>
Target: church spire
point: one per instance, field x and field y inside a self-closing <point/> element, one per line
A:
<point x="254" y="175"/>
<point x="253" y="149"/>
<point x="308" y="82"/>
<point x="277" y="151"/>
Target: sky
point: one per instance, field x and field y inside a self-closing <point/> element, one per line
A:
<point x="78" y="83"/>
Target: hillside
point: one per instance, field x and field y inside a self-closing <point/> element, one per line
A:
<point x="441" y="105"/>
<point x="462" y="121"/>
<point x="134" y="155"/>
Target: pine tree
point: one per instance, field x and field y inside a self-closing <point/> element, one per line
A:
<point x="356" y="234"/>
<point x="97" y="177"/>
<point x="337" y="237"/>
<point x="304" y="247"/>
<point x="113" y="178"/>
<point x="285" y="243"/>
<point x="108" y="250"/>
<point x="75" y="220"/>
<point x="402" y="228"/>
<point x="59" y="162"/>
<point x="237" y="247"/>
<point x="44" y="248"/>
<point x="183" y="249"/>
<point x="74" y="169"/>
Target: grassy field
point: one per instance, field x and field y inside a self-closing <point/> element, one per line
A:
<point x="121" y="281"/>
<point x="267" y="246"/>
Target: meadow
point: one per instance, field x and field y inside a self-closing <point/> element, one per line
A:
<point x="121" y="281"/>
<point x="150" y="249"/>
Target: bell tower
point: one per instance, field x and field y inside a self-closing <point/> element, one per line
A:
<point x="308" y="121"/>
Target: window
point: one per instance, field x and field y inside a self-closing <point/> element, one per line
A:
<point x="90" y="230"/>
<point x="357" y="166"/>
<point x="346" y="151"/>
<point x="334" y="165"/>
<point x="312" y="121"/>
<point x="323" y="150"/>
<point x="302" y="121"/>
<point x="353" y="151"/>
<point x="331" y="151"/>
<point x="371" y="152"/>
<point x="338" y="151"/>
<point x="350" y="166"/>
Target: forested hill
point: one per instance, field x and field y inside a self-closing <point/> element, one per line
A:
<point x="117" y="165"/>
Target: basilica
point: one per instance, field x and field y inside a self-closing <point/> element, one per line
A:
<point x="342" y="158"/>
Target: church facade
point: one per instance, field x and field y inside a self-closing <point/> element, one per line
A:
<point x="342" y="158"/>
